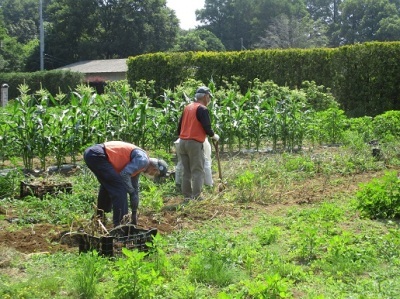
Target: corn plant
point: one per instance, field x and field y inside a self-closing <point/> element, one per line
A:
<point x="5" y="147"/>
<point x="332" y="123"/>
<point x="256" y="116"/>
<point x="167" y="118"/>
<point x="296" y="114"/>
<point x="82" y="117"/>
<point x="229" y="118"/>
<point x="61" y="131"/>
<point x="24" y="127"/>
<point x="44" y="139"/>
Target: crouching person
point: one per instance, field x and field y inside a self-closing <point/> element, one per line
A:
<point x="117" y="166"/>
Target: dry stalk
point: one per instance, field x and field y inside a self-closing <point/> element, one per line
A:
<point x="102" y="226"/>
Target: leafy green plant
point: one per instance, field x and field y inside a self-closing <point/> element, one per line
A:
<point x="344" y="258"/>
<point x="25" y="126"/>
<point x="387" y="124"/>
<point x="288" y="270"/>
<point x="331" y="124"/>
<point x="87" y="277"/>
<point x="9" y="183"/>
<point x="308" y="242"/>
<point x="211" y="264"/>
<point x="245" y="182"/>
<point x="380" y="198"/>
<point x="363" y="127"/>
<point x="267" y="235"/>
<point x="301" y="163"/>
<point x="268" y="286"/>
<point x="151" y="196"/>
<point x="136" y="277"/>
<point x="389" y="245"/>
<point x="158" y="255"/>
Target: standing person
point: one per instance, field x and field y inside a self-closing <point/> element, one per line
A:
<point x="194" y="126"/>
<point x="117" y="166"/>
<point x="208" y="180"/>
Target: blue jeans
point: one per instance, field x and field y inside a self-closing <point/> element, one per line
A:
<point x="112" y="192"/>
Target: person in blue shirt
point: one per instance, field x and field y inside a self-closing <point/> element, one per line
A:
<point x="117" y="166"/>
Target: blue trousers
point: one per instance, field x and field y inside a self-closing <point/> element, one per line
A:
<point x="112" y="192"/>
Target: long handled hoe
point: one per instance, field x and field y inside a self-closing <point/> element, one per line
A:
<point x="221" y="184"/>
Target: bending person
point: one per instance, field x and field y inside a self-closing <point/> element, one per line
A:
<point x="117" y="166"/>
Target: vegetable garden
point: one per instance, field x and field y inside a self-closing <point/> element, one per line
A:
<point x="310" y="208"/>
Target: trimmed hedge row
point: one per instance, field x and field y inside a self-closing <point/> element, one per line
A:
<point x="54" y="81"/>
<point x="364" y="78"/>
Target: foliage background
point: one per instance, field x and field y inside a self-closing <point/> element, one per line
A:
<point x="363" y="78"/>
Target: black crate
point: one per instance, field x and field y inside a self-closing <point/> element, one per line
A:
<point x="39" y="189"/>
<point x="125" y="236"/>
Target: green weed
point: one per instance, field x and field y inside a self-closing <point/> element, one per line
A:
<point x="135" y="277"/>
<point x="88" y="276"/>
<point x="380" y="198"/>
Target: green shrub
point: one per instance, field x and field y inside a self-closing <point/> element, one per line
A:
<point x="9" y="183"/>
<point x="380" y="198"/>
<point x="387" y="124"/>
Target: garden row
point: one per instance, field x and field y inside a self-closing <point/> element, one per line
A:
<point x="40" y="126"/>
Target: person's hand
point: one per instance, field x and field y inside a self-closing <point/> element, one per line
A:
<point x="215" y="137"/>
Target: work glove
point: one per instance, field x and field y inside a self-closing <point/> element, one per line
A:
<point x="126" y="178"/>
<point x="215" y="137"/>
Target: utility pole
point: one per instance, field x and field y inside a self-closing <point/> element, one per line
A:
<point x="41" y="35"/>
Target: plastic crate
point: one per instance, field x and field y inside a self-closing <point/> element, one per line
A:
<point x="39" y="189"/>
<point x="125" y="236"/>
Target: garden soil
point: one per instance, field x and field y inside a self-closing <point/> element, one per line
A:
<point x="39" y="238"/>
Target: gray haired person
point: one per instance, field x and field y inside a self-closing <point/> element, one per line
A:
<point x="194" y="126"/>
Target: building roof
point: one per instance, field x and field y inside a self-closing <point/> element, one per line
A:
<point x="98" y="66"/>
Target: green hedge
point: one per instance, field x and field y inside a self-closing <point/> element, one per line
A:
<point x="364" y="78"/>
<point x="55" y="81"/>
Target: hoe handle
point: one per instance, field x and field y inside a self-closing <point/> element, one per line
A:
<point x="218" y="160"/>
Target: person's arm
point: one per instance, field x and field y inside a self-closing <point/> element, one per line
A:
<point x="179" y="126"/>
<point x="139" y="162"/>
<point x="203" y="117"/>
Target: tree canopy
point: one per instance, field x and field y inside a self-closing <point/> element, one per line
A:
<point x="111" y="29"/>
<point x="77" y="30"/>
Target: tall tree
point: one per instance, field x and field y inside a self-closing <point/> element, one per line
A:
<point x="240" y="23"/>
<point x="229" y="20"/>
<point x="197" y="40"/>
<point x="285" y="32"/>
<point x="12" y="56"/>
<point x="328" y="12"/>
<point x="99" y="29"/>
<point x="389" y="29"/>
<point x="21" y="18"/>
<point x="362" y="20"/>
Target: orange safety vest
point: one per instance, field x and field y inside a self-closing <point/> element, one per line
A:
<point x="191" y="128"/>
<point x="119" y="154"/>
